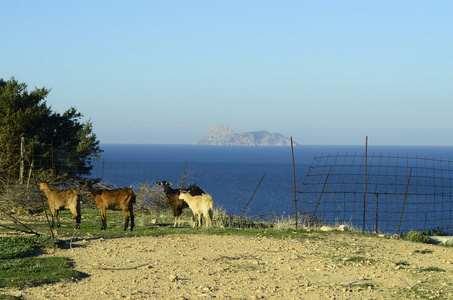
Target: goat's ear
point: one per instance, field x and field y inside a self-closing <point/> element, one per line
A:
<point x="158" y="183"/>
<point x="170" y="183"/>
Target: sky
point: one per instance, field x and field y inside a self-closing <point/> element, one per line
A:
<point x="165" y="72"/>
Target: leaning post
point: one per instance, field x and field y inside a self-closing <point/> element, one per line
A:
<point x="294" y="179"/>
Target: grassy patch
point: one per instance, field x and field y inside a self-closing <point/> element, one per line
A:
<point x="19" y="272"/>
<point x="18" y="266"/>
<point x="246" y="267"/>
<point x="423" y="251"/>
<point x="358" y="259"/>
<point x="157" y="224"/>
<point x="417" y="237"/>
<point x="432" y="269"/>
<point x="15" y="247"/>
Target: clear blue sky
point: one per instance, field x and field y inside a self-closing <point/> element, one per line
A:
<point x="165" y="72"/>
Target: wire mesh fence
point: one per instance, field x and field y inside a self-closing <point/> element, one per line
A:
<point x="381" y="192"/>
<point x="377" y="193"/>
<point x="258" y="197"/>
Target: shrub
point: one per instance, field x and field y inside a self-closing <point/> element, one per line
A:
<point x="415" y="236"/>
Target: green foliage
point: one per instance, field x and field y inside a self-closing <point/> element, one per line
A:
<point x="423" y="251"/>
<point x="26" y="114"/>
<point x="436" y="232"/>
<point x="418" y="237"/>
<point x="18" y="268"/>
<point x="432" y="269"/>
<point x="15" y="247"/>
<point x="21" y="272"/>
<point x="358" y="259"/>
<point x="224" y="220"/>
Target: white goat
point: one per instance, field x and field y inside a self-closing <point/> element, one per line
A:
<point x="200" y="205"/>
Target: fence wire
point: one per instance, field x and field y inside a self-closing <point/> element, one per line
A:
<point x="398" y="193"/>
<point x="258" y="197"/>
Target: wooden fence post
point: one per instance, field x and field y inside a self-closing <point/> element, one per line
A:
<point x="252" y="196"/>
<point x="404" y="202"/>
<point x="364" y="187"/>
<point x="294" y="179"/>
<point x="22" y="160"/>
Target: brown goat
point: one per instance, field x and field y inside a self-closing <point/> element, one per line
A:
<point x="200" y="205"/>
<point x="59" y="200"/>
<point x="119" y="199"/>
<point x="176" y="204"/>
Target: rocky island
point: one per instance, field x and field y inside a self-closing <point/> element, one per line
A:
<point x="223" y="136"/>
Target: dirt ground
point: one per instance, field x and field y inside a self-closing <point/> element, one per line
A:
<point x="332" y="266"/>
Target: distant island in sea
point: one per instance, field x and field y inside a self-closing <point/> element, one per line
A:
<point x="223" y="136"/>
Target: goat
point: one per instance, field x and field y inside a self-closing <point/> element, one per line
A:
<point x="200" y="205"/>
<point x="59" y="200"/>
<point x="119" y="199"/>
<point x="176" y="204"/>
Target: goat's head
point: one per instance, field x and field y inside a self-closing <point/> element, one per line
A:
<point x="164" y="183"/>
<point x="43" y="186"/>
<point x="182" y="194"/>
<point x="195" y="190"/>
<point x="89" y="185"/>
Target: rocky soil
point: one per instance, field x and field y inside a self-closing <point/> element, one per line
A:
<point x="332" y="266"/>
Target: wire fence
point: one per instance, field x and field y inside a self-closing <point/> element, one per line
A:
<point x="379" y="193"/>
<point x="258" y="197"/>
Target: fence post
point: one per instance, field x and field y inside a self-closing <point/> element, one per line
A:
<point x="22" y="160"/>
<point x="252" y="195"/>
<point x="404" y="202"/>
<point x="37" y="188"/>
<point x="322" y="192"/>
<point x="364" y="187"/>
<point x="377" y="211"/>
<point x="294" y="179"/>
<point x="183" y="182"/>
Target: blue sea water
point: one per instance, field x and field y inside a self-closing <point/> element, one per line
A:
<point x="255" y="161"/>
<point x="244" y="167"/>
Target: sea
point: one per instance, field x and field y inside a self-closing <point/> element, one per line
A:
<point x="249" y="160"/>
<point x="282" y="165"/>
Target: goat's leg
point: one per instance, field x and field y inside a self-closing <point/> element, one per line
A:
<point x="76" y="214"/>
<point x="128" y="215"/>
<point x="199" y="220"/>
<point x="132" y="221"/>
<point x="208" y="221"/>
<point x="103" y="219"/>
<point x="177" y="212"/>
<point x="193" y="220"/>
<point x="53" y="216"/>
<point x="126" y="223"/>
<point x="58" y="218"/>
<point x="210" y="215"/>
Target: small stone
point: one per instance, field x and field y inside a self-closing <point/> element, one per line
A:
<point x="343" y="228"/>
<point x="354" y="283"/>
<point x="326" y="228"/>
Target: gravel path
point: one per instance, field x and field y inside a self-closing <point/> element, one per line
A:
<point x="332" y="266"/>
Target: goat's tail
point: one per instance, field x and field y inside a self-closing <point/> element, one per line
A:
<point x="133" y="198"/>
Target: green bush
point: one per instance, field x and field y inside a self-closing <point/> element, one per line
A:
<point x="418" y="237"/>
